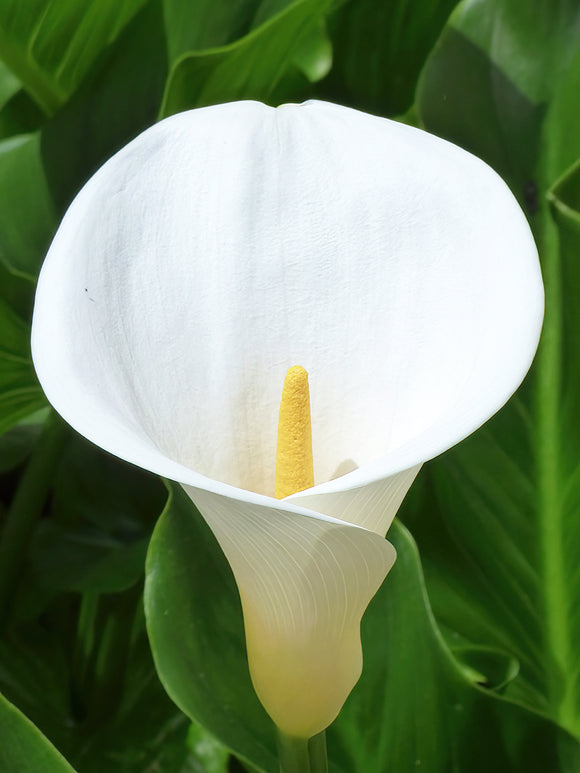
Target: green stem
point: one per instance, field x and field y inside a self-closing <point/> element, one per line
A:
<point x="302" y="755"/>
<point x="318" y="755"/>
<point x="84" y="649"/>
<point x="26" y="508"/>
<point x="293" y="754"/>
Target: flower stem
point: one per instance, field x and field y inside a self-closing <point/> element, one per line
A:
<point x="302" y="755"/>
<point x="26" y="508"/>
<point x="318" y="755"/>
<point x="293" y="754"/>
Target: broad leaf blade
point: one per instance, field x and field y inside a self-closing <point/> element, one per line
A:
<point x="212" y="23"/>
<point x="50" y="47"/>
<point x="24" y="748"/>
<point x="415" y="708"/>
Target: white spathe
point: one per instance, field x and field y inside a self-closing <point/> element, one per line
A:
<point x="223" y="246"/>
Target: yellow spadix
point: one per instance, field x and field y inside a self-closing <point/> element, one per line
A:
<point x="294" y="466"/>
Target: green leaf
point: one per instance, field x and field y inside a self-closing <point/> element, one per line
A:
<point x="51" y="46"/>
<point x="213" y="23"/>
<point x="24" y="748"/>
<point x="34" y="677"/>
<point x="9" y="84"/>
<point x="414" y="706"/>
<point x="531" y="41"/>
<point x="20" y="115"/>
<point x="111" y="108"/>
<point x="17" y="292"/>
<point x="565" y="198"/>
<point x="16" y="445"/>
<point x="502" y="545"/>
<point x="20" y="393"/>
<point x="144" y="732"/>
<point x="139" y="730"/>
<point x="103" y="513"/>
<point x="380" y="47"/>
<point x="27" y="216"/>
<point x="207" y="750"/>
<point x="249" y="68"/>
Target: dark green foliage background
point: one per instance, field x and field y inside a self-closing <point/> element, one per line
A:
<point x="472" y="647"/>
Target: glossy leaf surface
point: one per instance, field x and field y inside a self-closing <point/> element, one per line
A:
<point x="502" y="555"/>
<point x="51" y="47"/>
<point x="24" y="748"/>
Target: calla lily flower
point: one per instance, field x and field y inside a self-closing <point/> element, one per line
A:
<point x="226" y="244"/>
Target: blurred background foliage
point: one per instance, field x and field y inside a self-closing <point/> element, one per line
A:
<point x="472" y="647"/>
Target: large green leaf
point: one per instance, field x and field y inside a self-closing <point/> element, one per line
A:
<point x="50" y="46"/>
<point x="113" y="106"/>
<point x="414" y="705"/>
<point x="415" y="708"/>
<point x="249" y="68"/>
<point x="24" y="748"/>
<point x="380" y="47"/>
<point x="502" y="546"/>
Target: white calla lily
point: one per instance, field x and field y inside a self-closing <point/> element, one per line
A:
<point x="228" y="243"/>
